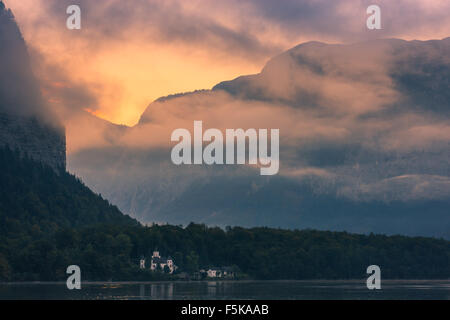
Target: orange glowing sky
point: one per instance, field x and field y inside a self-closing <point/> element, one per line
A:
<point x="130" y="53"/>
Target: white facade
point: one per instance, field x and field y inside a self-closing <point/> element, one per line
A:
<point x="212" y="273"/>
<point x="224" y="272"/>
<point x="161" y="262"/>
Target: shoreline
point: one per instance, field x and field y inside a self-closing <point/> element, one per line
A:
<point x="219" y="280"/>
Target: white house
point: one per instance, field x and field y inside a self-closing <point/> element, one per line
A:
<point x="223" y="272"/>
<point x="212" y="273"/>
<point x="161" y="262"/>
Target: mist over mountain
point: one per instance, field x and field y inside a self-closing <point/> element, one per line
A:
<point x="26" y="122"/>
<point x="365" y="137"/>
<point x="19" y="89"/>
<point x="416" y="70"/>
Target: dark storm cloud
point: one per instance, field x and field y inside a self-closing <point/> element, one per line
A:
<point x="346" y="19"/>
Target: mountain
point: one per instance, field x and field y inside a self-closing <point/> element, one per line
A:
<point x="39" y="197"/>
<point x="37" y="190"/>
<point x="365" y="136"/>
<point x="42" y="142"/>
<point x="416" y="69"/>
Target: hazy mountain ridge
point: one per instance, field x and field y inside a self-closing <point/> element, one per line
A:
<point x="371" y="156"/>
<point x="410" y="62"/>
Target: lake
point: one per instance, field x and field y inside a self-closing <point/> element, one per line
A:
<point x="230" y="290"/>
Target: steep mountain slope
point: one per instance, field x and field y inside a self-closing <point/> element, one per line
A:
<point x="26" y="123"/>
<point x="19" y="90"/>
<point x="35" y="196"/>
<point x="37" y="192"/>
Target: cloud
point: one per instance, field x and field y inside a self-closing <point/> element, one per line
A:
<point x="146" y="49"/>
<point x="321" y="97"/>
<point x="346" y="126"/>
<point x="401" y="188"/>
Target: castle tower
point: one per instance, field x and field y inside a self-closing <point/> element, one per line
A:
<point x="156" y="254"/>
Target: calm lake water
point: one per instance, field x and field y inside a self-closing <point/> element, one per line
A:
<point x="215" y="290"/>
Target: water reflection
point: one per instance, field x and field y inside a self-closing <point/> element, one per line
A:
<point x="142" y="291"/>
<point x="264" y="290"/>
<point x="156" y="291"/>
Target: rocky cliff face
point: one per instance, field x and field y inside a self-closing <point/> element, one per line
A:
<point x="32" y="137"/>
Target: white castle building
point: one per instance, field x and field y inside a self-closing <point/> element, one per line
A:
<point x="159" y="263"/>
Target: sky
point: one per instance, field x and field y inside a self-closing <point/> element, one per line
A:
<point x="129" y="53"/>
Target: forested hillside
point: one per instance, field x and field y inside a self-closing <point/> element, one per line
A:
<point x="49" y="221"/>
<point x="36" y="197"/>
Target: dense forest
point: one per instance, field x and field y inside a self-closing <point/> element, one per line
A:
<point x="50" y="220"/>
